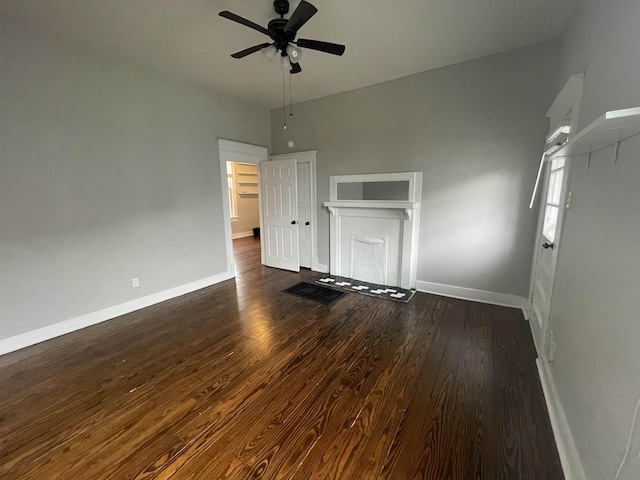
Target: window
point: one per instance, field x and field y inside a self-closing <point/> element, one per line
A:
<point x="231" y="188"/>
<point x="552" y="208"/>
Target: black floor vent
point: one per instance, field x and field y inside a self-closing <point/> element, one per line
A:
<point x="324" y="295"/>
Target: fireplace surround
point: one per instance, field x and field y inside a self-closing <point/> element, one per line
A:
<point x="374" y="227"/>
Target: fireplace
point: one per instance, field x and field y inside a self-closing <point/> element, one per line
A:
<point x="374" y="227"/>
<point x="368" y="258"/>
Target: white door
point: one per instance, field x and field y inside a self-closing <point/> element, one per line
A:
<point x="553" y="207"/>
<point x="280" y="214"/>
<point x="304" y="213"/>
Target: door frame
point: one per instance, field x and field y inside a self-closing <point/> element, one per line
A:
<point x="541" y="333"/>
<point x="226" y="147"/>
<point x="309" y="157"/>
<point x="565" y="107"/>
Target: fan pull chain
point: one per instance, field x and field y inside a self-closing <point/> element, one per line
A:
<point x="284" y="98"/>
<point x="290" y="98"/>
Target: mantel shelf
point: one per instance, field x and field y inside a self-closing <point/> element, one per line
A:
<point x="370" y="204"/>
<point x="611" y="128"/>
<point x="384" y="204"/>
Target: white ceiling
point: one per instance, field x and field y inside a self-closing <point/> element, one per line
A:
<point x="385" y="39"/>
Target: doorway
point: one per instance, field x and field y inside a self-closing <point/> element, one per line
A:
<point x="547" y="250"/>
<point x="555" y="200"/>
<point x="290" y="211"/>
<point x="240" y="182"/>
<point x="244" y="207"/>
<point x="286" y="223"/>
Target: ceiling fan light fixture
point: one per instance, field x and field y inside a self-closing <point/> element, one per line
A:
<point x="294" y="53"/>
<point x="270" y="52"/>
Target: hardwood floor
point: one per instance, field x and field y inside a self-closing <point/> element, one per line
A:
<point x="241" y="381"/>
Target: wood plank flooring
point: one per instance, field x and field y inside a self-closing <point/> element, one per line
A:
<point x="241" y="381"/>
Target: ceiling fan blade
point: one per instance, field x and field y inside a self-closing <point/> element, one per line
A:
<point x="333" y="48"/>
<point x="295" y="68"/>
<point x="250" y="50"/>
<point x="300" y="16"/>
<point x="243" y="21"/>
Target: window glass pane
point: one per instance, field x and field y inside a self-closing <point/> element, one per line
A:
<point x="557" y="163"/>
<point x="555" y="187"/>
<point x="550" y="222"/>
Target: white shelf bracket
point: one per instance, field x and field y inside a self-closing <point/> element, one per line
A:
<point x="615" y="153"/>
<point x="332" y="211"/>
<point x="408" y="212"/>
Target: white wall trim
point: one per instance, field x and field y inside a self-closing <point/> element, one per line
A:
<point x="248" y="233"/>
<point x="571" y="465"/>
<point x="319" y="267"/>
<point x="482" y="296"/>
<point x="67" y="326"/>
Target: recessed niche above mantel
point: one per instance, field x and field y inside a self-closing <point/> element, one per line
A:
<point x="374" y="187"/>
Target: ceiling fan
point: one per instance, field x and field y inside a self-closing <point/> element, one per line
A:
<point x="283" y="33"/>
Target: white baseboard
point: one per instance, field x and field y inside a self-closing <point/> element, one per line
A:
<point x="482" y="296"/>
<point x="242" y="234"/>
<point x="567" y="451"/>
<point x="67" y="326"/>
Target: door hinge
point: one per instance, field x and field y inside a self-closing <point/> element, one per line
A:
<point x="569" y="197"/>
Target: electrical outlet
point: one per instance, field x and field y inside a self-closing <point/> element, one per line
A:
<point x="135" y="282"/>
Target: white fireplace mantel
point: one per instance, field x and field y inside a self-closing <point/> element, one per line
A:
<point x="407" y="207"/>
<point x="376" y="238"/>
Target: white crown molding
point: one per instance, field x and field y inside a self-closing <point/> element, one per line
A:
<point x="32" y="337"/>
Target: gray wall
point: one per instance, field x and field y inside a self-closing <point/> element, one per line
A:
<point x="596" y="322"/>
<point x="475" y="129"/>
<point x="108" y="171"/>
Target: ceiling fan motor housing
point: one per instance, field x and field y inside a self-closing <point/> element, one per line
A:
<point x="281" y="6"/>
<point x="279" y="36"/>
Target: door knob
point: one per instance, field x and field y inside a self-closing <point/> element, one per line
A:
<point x="293" y="222"/>
<point x="548" y="245"/>
<point x="306" y="223"/>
